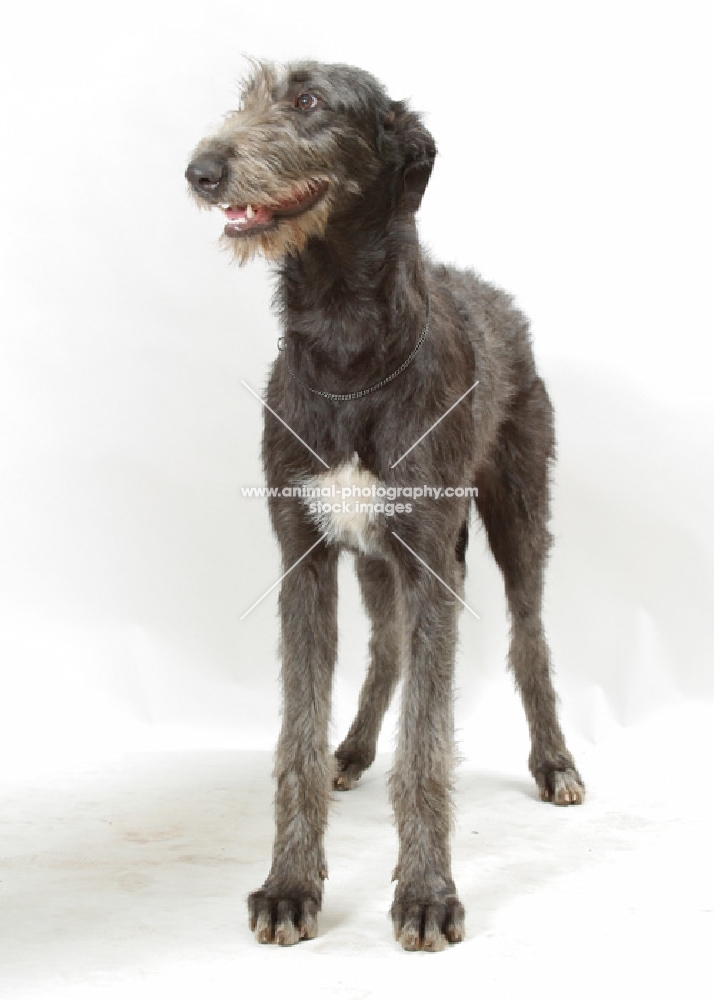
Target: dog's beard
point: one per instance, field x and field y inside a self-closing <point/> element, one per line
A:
<point x="278" y="239"/>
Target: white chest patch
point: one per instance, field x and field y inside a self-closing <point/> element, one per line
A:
<point x="341" y="504"/>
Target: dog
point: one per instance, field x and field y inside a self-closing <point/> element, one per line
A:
<point x="401" y="378"/>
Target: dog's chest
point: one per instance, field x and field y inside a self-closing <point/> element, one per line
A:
<point x="343" y="504"/>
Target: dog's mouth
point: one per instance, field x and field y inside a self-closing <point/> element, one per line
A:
<point x="247" y="220"/>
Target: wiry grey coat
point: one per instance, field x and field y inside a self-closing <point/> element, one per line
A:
<point x="322" y="173"/>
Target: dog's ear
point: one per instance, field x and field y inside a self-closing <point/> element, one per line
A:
<point x="417" y="151"/>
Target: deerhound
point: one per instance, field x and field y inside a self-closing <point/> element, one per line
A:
<point x="398" y="378"/>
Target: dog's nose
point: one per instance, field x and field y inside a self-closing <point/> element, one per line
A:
<point x="206" y="172"/>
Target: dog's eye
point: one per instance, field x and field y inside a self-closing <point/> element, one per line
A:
<point x="306" y="102"/>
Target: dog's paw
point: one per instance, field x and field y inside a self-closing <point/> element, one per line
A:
<point x="282" y="918"/>
<point x="346" y="775"/>
<point x="428" y="925"/>
<point x="351" y="760"/>
<point x="562" y="787"/>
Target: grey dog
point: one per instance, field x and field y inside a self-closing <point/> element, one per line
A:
<point x="395" y="373"/>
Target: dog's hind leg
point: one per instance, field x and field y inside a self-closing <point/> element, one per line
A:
<point x="513" y="501"/>
<point x="381" y="599"/>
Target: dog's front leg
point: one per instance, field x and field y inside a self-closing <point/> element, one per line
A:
<point x="285" y="909"/>
<point x="426" y="912"/>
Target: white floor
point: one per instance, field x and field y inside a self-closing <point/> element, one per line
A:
<point x="128" y="878"/>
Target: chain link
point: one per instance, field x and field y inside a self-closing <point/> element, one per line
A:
<point x="363" y="392"/>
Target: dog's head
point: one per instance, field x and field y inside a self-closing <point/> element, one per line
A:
<point x="310" y="145"/>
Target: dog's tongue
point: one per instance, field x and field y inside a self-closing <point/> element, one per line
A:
<point x="246" y="216"/>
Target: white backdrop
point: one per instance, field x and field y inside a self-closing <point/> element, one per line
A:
<point x="138" y="710"/>
<point x="574" y="169"/>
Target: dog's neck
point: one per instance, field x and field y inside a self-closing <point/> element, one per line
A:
<point x="353" y="302"/>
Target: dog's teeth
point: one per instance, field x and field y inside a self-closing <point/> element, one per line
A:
<point x="249" y="211"/>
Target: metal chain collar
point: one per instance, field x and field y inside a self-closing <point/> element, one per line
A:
<point x="362" y="392"/>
